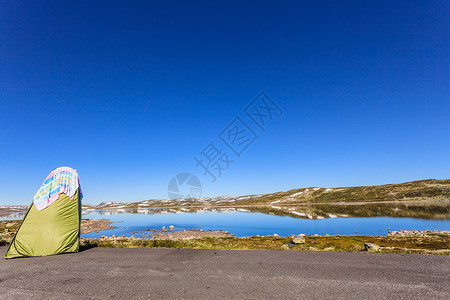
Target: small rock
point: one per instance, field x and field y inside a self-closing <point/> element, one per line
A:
<point x="298" y="239"/>
<point x="171" y="227"/>
<point x="285" y="247"/>
<point x="313" y="249"/>
<point x="371" y="247"/>
<point x="164" y="228"/>
<point x="275" y="235"/>
<point x="357" y="248"/>
<point x="329" y="249"/>
<point x="316" y="234"/>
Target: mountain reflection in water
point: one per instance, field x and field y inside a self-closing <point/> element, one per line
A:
<point x="439" y="210"/>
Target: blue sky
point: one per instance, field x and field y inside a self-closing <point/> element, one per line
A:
<point x="129" y="93"/>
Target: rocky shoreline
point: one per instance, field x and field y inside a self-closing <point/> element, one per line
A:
<point x="169" y="235"/>
<point x="93" y="225"/>
<point x="419" y="232"/>
<point x="172" y="234"/>
<point x="430" y="242"/>
<point x="403" y="241"/>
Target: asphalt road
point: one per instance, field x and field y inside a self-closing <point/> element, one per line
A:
<point x="213" y="274"/>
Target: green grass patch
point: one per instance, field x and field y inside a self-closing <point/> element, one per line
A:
<point x="315" y="243"/>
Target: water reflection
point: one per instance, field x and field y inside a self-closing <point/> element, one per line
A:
<point x="12" y="215"/>
<point x="436" y="210"/>
<point x="439" y="210"/>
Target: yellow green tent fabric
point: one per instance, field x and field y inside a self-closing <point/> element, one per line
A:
<point x="53" y="230"/>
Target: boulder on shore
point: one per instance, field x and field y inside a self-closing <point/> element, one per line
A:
<point x="371" y="247"/>
<point x="298" y="239"/>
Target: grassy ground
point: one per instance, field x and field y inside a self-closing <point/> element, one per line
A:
<point x="7" y="231"/>
<point x="433" y="244"/>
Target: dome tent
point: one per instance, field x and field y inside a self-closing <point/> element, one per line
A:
<point x="52" y="222"/>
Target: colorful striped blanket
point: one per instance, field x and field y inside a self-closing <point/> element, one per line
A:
<point x="61" y="180"/>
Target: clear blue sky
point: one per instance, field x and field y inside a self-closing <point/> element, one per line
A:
<point x="128" y="93"/>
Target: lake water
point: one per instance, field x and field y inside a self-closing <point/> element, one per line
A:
<point x="255" y="223"/>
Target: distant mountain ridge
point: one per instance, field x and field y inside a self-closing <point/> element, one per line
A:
<point x="421" y="190"/>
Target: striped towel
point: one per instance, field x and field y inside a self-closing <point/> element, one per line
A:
<point x="61" y="180"/>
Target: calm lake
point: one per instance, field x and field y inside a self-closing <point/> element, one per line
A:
<point x="369" y="219"/>
<point x="246" y="223"/>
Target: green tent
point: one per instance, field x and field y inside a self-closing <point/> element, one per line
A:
<point x="52" y="222"/>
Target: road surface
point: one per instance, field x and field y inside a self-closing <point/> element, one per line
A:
<point x="100" y="273"/>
